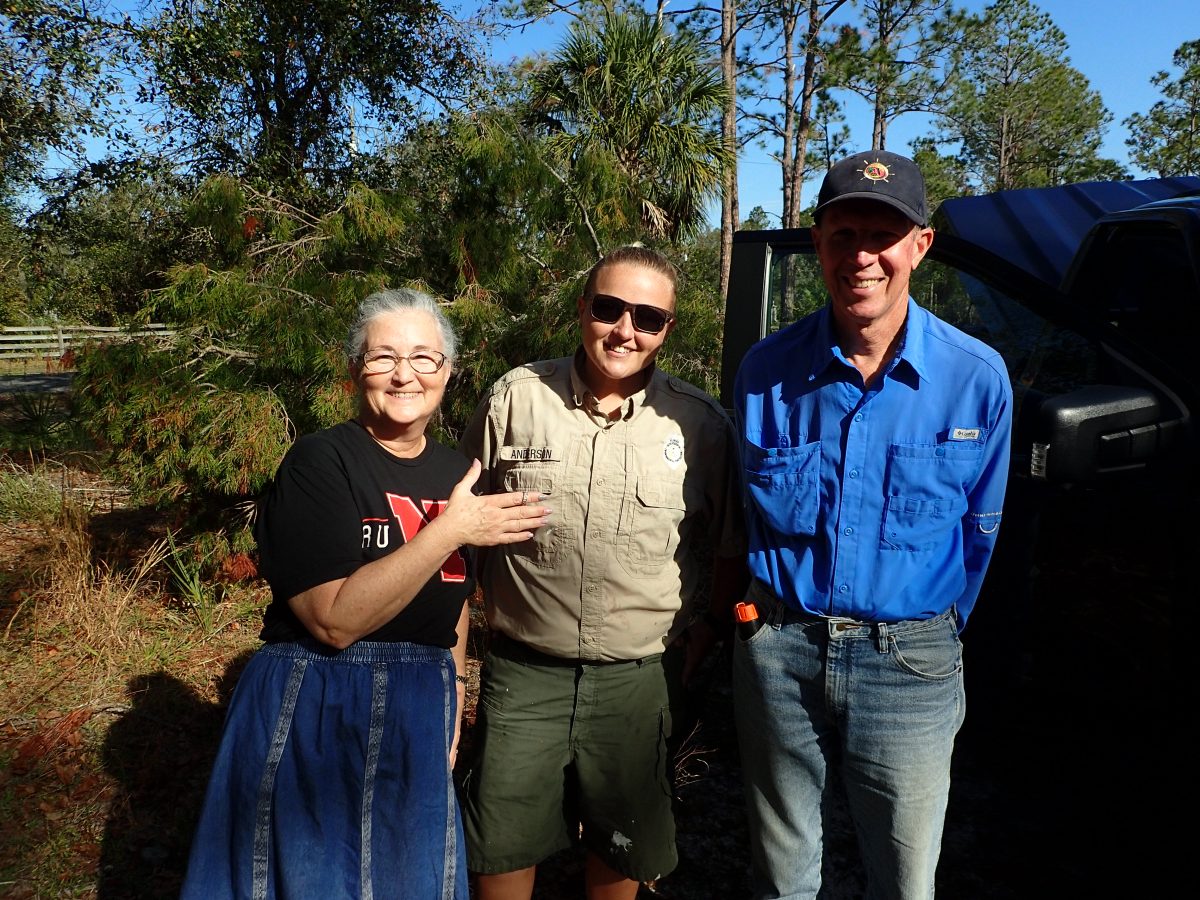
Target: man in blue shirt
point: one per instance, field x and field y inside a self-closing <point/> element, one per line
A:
<point x="875" y="448"/>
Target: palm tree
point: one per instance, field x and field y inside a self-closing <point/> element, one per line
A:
<point x="627" y="97"/>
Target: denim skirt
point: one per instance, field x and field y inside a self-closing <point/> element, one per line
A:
<point x="332" y="780"/>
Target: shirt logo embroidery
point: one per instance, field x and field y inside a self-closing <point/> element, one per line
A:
<point x="673" y="450"/>
<point x="965" y="434"/>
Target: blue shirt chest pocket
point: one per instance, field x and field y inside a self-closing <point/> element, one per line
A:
<point x="784" y="486"/>
<point x="925" y="494"/>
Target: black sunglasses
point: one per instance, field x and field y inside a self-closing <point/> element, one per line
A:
<point x="608" y="309"/>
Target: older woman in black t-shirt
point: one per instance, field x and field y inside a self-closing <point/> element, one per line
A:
<point x="333" y="777"/>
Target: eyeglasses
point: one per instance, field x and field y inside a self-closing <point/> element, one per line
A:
<point x="381" y="362"/>
<point x="608" y="309"/>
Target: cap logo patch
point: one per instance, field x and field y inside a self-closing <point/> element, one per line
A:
<point x="875" y="171"/>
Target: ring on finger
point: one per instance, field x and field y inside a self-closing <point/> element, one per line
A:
<point x="524" y="498"/>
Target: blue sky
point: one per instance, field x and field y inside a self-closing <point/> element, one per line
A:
<point x="1117" y="44"/>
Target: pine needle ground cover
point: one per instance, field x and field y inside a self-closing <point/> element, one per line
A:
<point x="111" y="687"/>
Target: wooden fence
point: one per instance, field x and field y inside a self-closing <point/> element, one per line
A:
<point x="55" y="345"/>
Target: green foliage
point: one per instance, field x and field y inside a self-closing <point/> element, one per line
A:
<point x="29" y="496"/>
<point x="202" y="418"/>
<point x="829" y="139"/>
<point x="54" y="84"/>
<point x="218" y="210"/>
<point x="891" y="60"/>
<point x="103" y="243"/>
<point x="14" y="252"/>
<point x="39" y="422"/>
<point x="191" y="573"/>
<point x="945" y="176"/>
<point x="185" y="569"/>
<point x="1166" y="140"/>
<point x="181" y="426"/>
<point x="693" y="349"/>
<point x="492" y="222"/>
<point x="627" y="99"/>
<point x="476" y="208"/>
<point x="756" y="221"/>
<point x="271" y="87"/>
<point x="1024" y="116"/>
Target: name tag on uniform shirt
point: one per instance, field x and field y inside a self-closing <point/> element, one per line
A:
<point x="965" y="434"/>
<point x="529" y="454"/>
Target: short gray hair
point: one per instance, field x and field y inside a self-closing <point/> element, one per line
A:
<point x="397" y="300"/>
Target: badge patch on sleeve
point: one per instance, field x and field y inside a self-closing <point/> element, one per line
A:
<point x="673" y="450"/>
<point x="965" y="434"/>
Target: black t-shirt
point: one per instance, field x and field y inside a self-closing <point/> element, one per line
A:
<point x="339" y="500"/>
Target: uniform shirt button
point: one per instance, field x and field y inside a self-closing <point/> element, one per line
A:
<point x="844" y="588"/>
<point x="848" y="530"/>
<point x="854" y="473"/>
<point x="858" y="418"/>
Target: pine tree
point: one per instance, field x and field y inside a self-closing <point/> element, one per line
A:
<point x="1166" y="140"/>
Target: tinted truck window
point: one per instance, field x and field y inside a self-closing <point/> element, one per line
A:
<point x="1141" y="278"/>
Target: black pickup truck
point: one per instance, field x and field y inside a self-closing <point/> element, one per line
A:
<point x="1091" y="292"/>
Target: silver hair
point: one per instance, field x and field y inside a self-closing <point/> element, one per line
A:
<point x="397" y="300"/>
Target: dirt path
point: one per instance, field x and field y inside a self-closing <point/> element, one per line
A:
<point x="57" y="383"/>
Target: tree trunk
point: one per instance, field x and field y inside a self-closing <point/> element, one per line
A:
<point x="808" y="89"/>
<point x="789" y="157"/>
<point x="729" y="192"/>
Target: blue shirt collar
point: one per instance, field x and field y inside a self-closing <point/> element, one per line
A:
<point x="825" y="351"/>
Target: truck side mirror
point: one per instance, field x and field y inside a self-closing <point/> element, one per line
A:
<point x="1097" y="430"/>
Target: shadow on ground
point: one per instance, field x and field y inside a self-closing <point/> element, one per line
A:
<point x="160" y="753"/>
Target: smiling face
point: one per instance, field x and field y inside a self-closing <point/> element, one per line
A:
<point x="618" y="355"/>
<point x="868" y="252"/>
<point x="398" y="405"/>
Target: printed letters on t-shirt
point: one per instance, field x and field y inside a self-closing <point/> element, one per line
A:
<point x="413" y="518"/>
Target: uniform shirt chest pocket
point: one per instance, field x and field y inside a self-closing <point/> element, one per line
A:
<point x="543" y="476"/>
<point x="925" y="492"/>
<point x="784" y="485"/>
<point x="655" y="518"/>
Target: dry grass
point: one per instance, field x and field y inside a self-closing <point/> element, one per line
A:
<point x="109" y="701"/>
<point x="23" y="366"/>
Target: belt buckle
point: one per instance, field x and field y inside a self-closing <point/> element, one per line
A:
<point x="845" y="626"/>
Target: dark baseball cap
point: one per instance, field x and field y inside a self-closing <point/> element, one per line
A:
<point x="876" y="175"/>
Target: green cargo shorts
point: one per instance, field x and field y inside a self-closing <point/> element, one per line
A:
<point x="568" y="749"/>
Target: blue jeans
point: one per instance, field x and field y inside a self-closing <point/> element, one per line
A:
<point x="883" y="703"/>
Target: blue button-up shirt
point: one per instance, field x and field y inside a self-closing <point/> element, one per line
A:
<point x="879" y="504"/>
